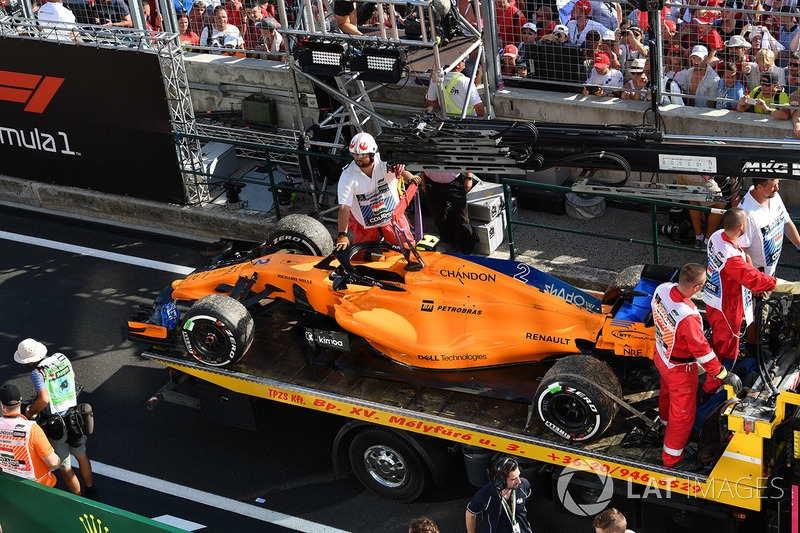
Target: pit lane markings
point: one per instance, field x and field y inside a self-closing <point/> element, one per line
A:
<point x="211" y="500"/>
<point x="100" y="254"/>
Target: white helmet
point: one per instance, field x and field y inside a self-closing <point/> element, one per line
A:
<point x="363" y="143"/>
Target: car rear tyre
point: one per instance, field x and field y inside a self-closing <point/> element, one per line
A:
<point x="217" y="330"/>
<point x="387" y="465"/>
<point x="624" y="283"/>
<point x="570" y="402"/>
<point x="301" y="234"/>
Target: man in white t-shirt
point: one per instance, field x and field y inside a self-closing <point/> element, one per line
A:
<point x="767" y="222"/>
<point x="603" y="80"/>
<point x="456" y="95"/>
<point x="370" y="204"/>
<point x="581" y="24"/>
<point x="52" y="13"/>
<point x="219" y="31"/>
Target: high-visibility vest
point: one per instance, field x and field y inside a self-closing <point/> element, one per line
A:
<point x="667" y="315"/>
<point x="719" y="251"/>
<point x="15" y="436"/>
<point x="450" y="107"/>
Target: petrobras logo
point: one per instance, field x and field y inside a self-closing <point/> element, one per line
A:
<point x="33" y="90"/>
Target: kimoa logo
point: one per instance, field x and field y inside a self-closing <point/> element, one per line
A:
<point x="588" y="508"/>
<point x="33" y="90"/>
<point x="92" y="524"/>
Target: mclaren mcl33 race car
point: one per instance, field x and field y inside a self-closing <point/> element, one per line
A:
<point x="466" y="323"/>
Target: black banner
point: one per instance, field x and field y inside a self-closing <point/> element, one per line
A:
<point x="86" y="117"/>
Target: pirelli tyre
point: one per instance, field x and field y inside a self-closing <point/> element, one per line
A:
<point x="624" y="283"/>
<point x="388" y="465"/>
<point x="301" y="234"/>
<point x="570" y="399"/>
<point x="217" y="330"/>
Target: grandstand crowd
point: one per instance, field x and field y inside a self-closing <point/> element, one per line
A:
<point x="726" y="54"/>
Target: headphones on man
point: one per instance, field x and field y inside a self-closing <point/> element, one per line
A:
<point x="500" y="470"/>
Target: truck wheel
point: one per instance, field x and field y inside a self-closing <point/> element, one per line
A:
<point x="625" y="282"/>
<point x="569" y="402"/>
<point x="387" y="465"/>
<point x="217" y="330"/>
<point x="301" y="234"/>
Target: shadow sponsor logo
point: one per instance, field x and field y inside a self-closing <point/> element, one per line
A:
<point x="33" y="90"/>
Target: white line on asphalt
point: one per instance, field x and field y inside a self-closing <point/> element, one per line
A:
<point x="212" y="500"/>
<point x="111" y="256"/>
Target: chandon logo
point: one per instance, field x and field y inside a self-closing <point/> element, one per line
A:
<point x="30" y="89"/>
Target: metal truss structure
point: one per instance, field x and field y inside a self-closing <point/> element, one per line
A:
<point x="173" y="72"/>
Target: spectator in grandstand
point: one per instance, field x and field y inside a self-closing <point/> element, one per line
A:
<point x="632" y="46"/>
<point x="603" y="80"/>
<point x="701" y="80"/>
<point x="558" y="36"/>
<point x="591" y="45"/>
<point x="787" y="33"/>
<point x="527" y="48"/>
<point x="216" y="34"/>
<point x="52" y="13"/>
<point x="113" y="13"/>
<point x="729" y="87"/>
<point x="232" y="46"/>
<point x="189" y="39"/>
<point x="580" y="24"/>
<point x="466" y="10"/>
<point x="792" y="75"/>
<point x="669" y="34"/>
<point x="736" y="49"/>
<point x="150" y="22"/>
<point x="271" y="40"/>
<point x="182" y="6"/>
<point x="675" y="65"/>
<point x="764" y="62"/>
<point x="544" y="20"/>
<point x="753" y="19"/>
<point x="761" y="38"/>
<point x="253" y="14"/>
<point x="235" y="10"/>
<point x="635" y="88"/>
<point x="701" y="31"/>
<point x="197" y="17"/>
<point x="729" y="24"/>
<point x="606" y="13"/>
<point x="508" y="60"/>
<point x="610" y="45"/>
<point x="764" y="98"/>
<point x="510" y="21"/>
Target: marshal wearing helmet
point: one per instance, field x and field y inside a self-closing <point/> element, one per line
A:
<point x="370" y="203"/>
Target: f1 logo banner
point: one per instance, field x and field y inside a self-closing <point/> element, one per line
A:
<point x="87" y="117"/>
<point x="34" y="91"/>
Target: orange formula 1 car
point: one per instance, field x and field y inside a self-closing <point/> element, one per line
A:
<point x="420" y="315"/>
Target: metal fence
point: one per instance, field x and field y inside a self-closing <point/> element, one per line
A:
<point x="698" y="55"/>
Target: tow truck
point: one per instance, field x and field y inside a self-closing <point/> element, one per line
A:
<point x="402" y="428"/>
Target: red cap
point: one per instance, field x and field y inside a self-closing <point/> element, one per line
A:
<point x="585" y="6"/>
<point x="670" y="24"/>
<point x="510" y="51"/>
<point x="601" y="60"/>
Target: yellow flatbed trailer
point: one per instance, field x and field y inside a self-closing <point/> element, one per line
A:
<point x="754" y="481"/>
